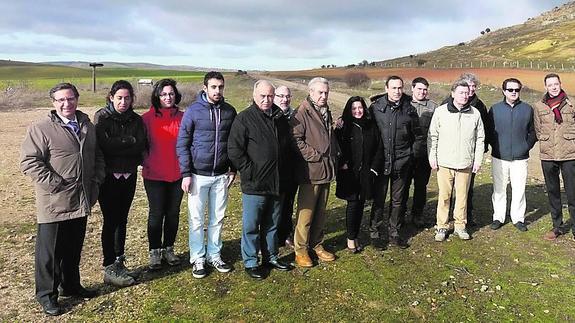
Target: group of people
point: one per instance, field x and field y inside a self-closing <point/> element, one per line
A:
<point x="279" y="152"/>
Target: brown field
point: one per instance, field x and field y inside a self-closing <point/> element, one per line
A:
<point x="530" y="78"/>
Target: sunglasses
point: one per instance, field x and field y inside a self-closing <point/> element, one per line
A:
<point x="513" y="90"/>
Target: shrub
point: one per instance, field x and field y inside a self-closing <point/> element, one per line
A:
<point x="353" y="79"/>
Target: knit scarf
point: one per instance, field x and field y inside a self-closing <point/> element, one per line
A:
<point x="554" y="103"/>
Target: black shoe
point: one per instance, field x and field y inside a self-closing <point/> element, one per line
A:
<point x="520" y="226"/>
<point x="78" y="292"/>
<point x="496" y="225"/>
<point x="379" y="244"/>
<point x="398" y="242"/>
<point x="276" y="264"/>
<point x="51" y="308"/>
<point x="255" y="273"/>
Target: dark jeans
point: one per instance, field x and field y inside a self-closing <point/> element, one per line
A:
<point x="164" y="200"/>
<point x="390" y="222"/>
<point x="115" y="199"/>
<point x="285" y="226"/>
<point x="260" y="218"/>
<point x="420" y="174"/>
<point x="551" y="170"/>
<point x="57" y="257"/>
<point x="353" y="216"/>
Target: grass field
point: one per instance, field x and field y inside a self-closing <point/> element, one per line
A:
<point x="498" y="276"/>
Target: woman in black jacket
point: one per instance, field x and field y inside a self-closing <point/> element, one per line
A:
<point x="122" y="138"/>
<point x="359" y="142"/>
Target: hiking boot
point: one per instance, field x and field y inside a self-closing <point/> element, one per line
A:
<point x="323" y="254"/>
<point x="220" y="265"/>
<point x="462" y="234"/>
<point x="198" y="270"/>
<point x="117" y="277"/>
<point x="520" y="226"/>
<point x="121" y="267"/>
<point x="170" y="257"/>
<point x="155" y="259"/>
<point x="440" y="235"/>
<point x="496" y="225"/>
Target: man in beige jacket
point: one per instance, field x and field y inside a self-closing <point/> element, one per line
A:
<point x="555" y="128"/>
<point x="60" y="154"/>
<point x="455" y="147"/>
<point x="314" y="170"/>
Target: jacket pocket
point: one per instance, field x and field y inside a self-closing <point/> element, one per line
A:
<point x="67" y="199"/>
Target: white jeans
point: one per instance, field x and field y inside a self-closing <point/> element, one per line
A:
<point x="504" y="172"/>
<point x="214" y="191"/>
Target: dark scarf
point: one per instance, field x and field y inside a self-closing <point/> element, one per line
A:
<point x="555" y="103"/>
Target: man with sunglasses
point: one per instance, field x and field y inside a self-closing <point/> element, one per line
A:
<point x="511" y="134"/>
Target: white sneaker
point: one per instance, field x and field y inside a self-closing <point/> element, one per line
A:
<point x="198" y="269"/>
<point x="462" y="234"/>
<point x="220" y="265"/>
<point x="440" y="235"/>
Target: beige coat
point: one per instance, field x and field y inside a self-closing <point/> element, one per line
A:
<point x="66" y="170"/>
<point x="556" y="141"/>
<point x="316" y="144"/>
<point x="456" y="139"/>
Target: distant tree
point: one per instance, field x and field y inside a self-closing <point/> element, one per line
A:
<point x="241" y="72"/>
<point x="372" y="64"/>
<point x="487" y="30"/>
<point x="483" y="32"/>
<point x="353" y="79"/>
<point x="421" y="62"/>
<point x="411" y="56"/>
<point x="323" y="66"/>
<point x="351" y="66"/>
<point x="461" y="44"/>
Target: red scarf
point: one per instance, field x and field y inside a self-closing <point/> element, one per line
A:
<point x="555" y="103"/>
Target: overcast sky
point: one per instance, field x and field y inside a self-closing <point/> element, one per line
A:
<point x="255" y="34"/>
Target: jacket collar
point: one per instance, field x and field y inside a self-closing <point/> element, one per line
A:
<point x="451" y="107"/>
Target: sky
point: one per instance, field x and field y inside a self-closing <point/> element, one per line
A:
<point x="249" y="35"/>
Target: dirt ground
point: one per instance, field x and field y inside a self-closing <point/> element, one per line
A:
<point x="17" y="223"/>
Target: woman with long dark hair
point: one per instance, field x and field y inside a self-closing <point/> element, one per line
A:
<point x="161" y="172"/>
<point x="358" y="164"/>
<point x="122" y="139"/>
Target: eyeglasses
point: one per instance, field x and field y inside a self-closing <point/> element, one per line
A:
<point x="281" y="96"/>
<point x="513" y="90"/>
<point x="63" y="100"/>
<point x="172" y="94"/>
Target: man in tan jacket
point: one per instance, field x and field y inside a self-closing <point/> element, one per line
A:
<point x="554" y="119"/>
<point x="60" y="154"/>
<point x="315" y="170"/>
<point x="455" y="147"/>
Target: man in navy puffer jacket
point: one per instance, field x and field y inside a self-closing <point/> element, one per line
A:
<point x="511" y="134"/>
<point x="207" y="173"/>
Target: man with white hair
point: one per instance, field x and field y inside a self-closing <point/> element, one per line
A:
<point x="258" y="141"/>
<point x="314" y="170"/>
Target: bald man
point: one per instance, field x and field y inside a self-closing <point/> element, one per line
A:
<point x="259" y="138"/>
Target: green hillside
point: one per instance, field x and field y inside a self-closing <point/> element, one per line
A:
<point x="548" y="39"/>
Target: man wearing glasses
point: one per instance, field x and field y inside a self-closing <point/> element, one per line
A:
<point x="288" y="185"/>
<point x="60" y="154"/>
<point x="511" y="134"/>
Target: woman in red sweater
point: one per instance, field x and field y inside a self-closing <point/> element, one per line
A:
<point x="161" y="172"/>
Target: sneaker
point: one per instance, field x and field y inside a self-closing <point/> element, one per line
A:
<point x="520" y="226"/>
<point x="220" y="265"/>
<point x="198" y="270"/>
<point x="440" y="235"/>
<point x="462" y="234"/>
<point x="117" y="277"/>
<point x="155" y="259"/>
<point x="496" y="225"/>
<point x="170" y="257"/>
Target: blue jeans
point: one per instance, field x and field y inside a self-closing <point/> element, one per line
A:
<point x="261" y="214"/>
<point x="213" y="191"/>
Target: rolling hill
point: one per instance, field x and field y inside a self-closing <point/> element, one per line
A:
<point x="548" y="39"/>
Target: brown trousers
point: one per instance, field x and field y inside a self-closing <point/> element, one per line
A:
<point x="447" y="178"/>
<point x="311" y="203"/>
